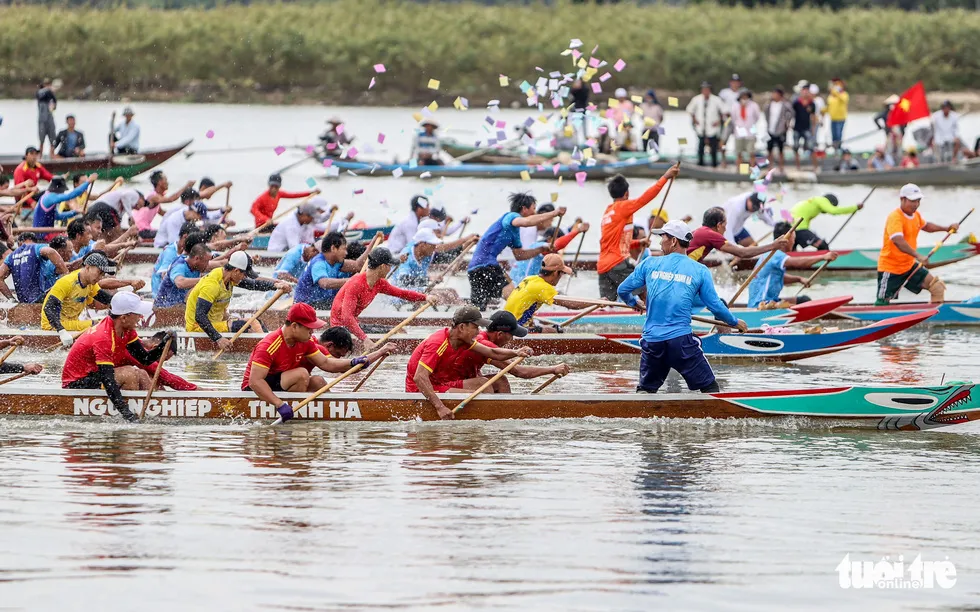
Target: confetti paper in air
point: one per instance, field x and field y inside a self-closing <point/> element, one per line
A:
<point x="379" y="68"/>
<point x="413" y="163"/>
<point x="589" y="73"/>
<point x="433" y="84"/>
<point x="594" y="62"/>
<point x="504" y="81"/>
<point x="397" y="172"/>
<point x="352" y="152"/>
<point x="556" y="168"/>
<point x="672" y="101"/>
<point x="209" y="134"/>
<point x="619" y="65"/>
<point x="594" y="49"/>
<point x="333" y="171"/>
<point x="605" y="77"/>
<point x="576" y="55"/>
<point x="682" y="141"/>
<point x="417" y="117"/>
<point x="580" y="178"/>
<point x="358" y="191"/>
<point x="575" y="44"/>
<point x="327" y="162"/>
<point x="433" y="106"/>
<point x="461" y="103"/>
<point x="596" y="88"/>
<point x="554" y="196"/>
<point x="427" y="192"/>
<point x="425" y="175"/>
<point x="587" y="153"/>
<point x="309" y="149"/>
<point x="525" y="86"/>
<point x="381" y="138"/>
<point x="581" y="62"/>
<point x="280" y="150"/>
<point x="560" y="178"/>
<point x="661" y="130"/>
<point x="743" y="168"/>
<point x="371" y="84"/>
<point x="786" y="215"/>
<point x="637" y="99"/>
<point x="311" y="183"/>
<point x="501" y="135"/>
<point x="340" y="128"/>
<point x="613" y="103"/>
<point x="525" y="175"/>
<point x="501" y="123"/>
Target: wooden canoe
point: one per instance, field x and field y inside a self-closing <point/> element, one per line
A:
<point x="949" y="313"/>
<point x="109" y="167"/>
<point x="887" y="408"/>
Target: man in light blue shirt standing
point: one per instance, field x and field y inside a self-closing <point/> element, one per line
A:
<point x="676" y="286"/>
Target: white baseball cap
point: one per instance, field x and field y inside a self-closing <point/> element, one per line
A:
<point x="677" y="229"/>
<point x="910" y="191"/>
<point x="126" y="302"/>
<point x="621" y="92"/>
<point x="241" y="261"/>
<point x="427" y="236"/>
<point x="430" y="224"/>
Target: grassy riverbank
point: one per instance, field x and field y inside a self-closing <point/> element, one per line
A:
<point x="325" y="51"/>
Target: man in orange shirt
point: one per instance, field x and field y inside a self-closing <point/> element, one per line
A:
<point x="899" y="258"/>
<point x="617" y="231"/>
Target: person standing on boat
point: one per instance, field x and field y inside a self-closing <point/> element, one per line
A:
<point x="540" y="289"/>
<point x="711" y="236"/>
<point x="207" y="305"/>
<point x="808" y="210"/>
<point x="276" y="363"/>
<point x="69" y="142"/>
<point x="264" y="207"/>
<point x="488" y="281"/>
<point x="327" y="272"/>
<point x="26" y="265"/>
<point x="768" y="283"/>
<point x="738" y="210"/>
<point x="46" y="105"/>
<point x="433" y="367"/>
<point x="945" y="141"/>
<point x="674" y="284"/>
<point x="427" y="146"/>
<point x="707" y="113"/>
<point x="617" y="231"/>
<point x="126" y="135"/>
<point x="402" y="233"/>
<point x="358" y="293"/>
<point x="295" y="229"/>
<point x="95" y="361"/>
<point x="501" y="330"/>
<point x="898" y="262"/>
<point x="182" y="276"/>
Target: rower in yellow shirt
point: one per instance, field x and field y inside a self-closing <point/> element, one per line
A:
<point x="539" y="289"/>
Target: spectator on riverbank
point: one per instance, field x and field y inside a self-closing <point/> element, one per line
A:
<point x="837" y="102"/>
<point x="653" y="117"/>
<point x="745" y="115"/>
<point x="706" y="111"/>
<point x="779" y="116"/>
<point x="729" y="97"/>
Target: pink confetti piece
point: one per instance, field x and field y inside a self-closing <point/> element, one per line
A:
<point x="594" y="62"/>
<point x="605" y="77"/>
<point x="309" y="149"/>
<point x="501" y="124"/>
<point x="327" y="162"/>
<point x="209" y="133"/>
<point x="619" y="65"/>
<point x="352" y="152"/>
<point x="787" y="216"/>
<point x="555" y="102"/>
<point x="371" y="84"/>
<point x="340" y="129"/>
<point x="539" y="68"/>
<point x="596" y="88"/>
<point x="379" y="68"/>
<point x="280" y="150"/>
<point x="358" y="191"/>
<point x="594" y="49"/>
<point x="381" y="138"/>
<point x="580" y="178"/>
<point x="576" y="54"/>
<point x="556" y="168"/>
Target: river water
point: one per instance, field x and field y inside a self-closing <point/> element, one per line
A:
<point x="554" y="515"/>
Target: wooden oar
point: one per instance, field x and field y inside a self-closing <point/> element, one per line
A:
<point x="368" y="374"/>
<point x="13" y="378"/>
<point x="486" y="385"/>
<point x="9" y="352"/>
<point x="545" y="384"/>
<point x="450" y="269"/>
<point x="258" y="313"/>
<point x="333" y="211"/>
<point x="851" y="216"/>
<point x="156" y="377"/>
<point x="374" y="242"/>
<point x="88" y="194"/>
<point x="758" y="267"/>
<point x="554" y="234"/>
<point x="358" y="367"/>
<point x="578" y="251"/>
<point x="667" y="193"/>
<point x="581" y="314"/>
<point x="931" y="253"/>
<point x="807" y="282"/>
<point x="26" y="197"/>
<point x="462" y="229"/>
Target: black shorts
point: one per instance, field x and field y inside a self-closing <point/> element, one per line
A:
<point x="889" y="284"/>
<point x="805" y="238"/>
<point x="610" y="281"/>
<point x="275" y="382"/>
<point x="776" y="142"/>
<point x="149" y="234"/>
<point x="486" y="283"/>
<point x="236" y="324"/>
<point x="108" y="215"/>
<point x="89" y="381"/>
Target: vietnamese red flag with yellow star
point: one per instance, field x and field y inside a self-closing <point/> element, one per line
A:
<point x="911" y="106"/>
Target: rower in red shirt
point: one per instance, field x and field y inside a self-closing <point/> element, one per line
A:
<point x="358" y="292"/>
<point x="711" y="236"/>
<point x="264" y="206"/>
<point x="334" y="342"/>
<point x="167" y="378"/>
<point x="276" y="362"/>
<point x="434" y="365"/>
<point x="502" y="329"/>
<point x="99" y="357"/>
<point x="31" y="169"/>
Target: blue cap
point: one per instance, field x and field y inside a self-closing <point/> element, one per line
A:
<point x="201" y="209"/>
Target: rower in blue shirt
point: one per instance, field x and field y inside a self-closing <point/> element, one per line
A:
<point x="675" y="284"/>
<point x="293" y="263"/>
<point x="327" y="272"/>
<point x="169" y="254"/>
<point x="25" y="264"/>
<point x="183" y="275"/>
<point x="769" y="281"/>
<point x="46" y="212"/>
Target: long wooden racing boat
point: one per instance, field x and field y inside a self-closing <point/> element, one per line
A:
<point x="887" y="408"/>
<point x="791" y="346"/>
<point x="948" y="313"/>
<point x="108" y="166"/>
<point x="960" y="174"/>
<point x="551" y="171"/>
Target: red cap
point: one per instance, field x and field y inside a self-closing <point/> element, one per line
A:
<point x="305" y="316"/>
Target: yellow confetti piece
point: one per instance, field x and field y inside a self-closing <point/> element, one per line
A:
<point x="581" y="62"/>
<point x="671" y="101"/>
<point x="458" y="103"/>
<point x="543" y="118"/>
<point x="649" y="122"/>
<point x="743" y="168"/>
<point x="587" y="153"/>
<point x="613" y="103"/>
<point x="433" y="84"/>
<point x="637" y="99"/>
<point x="682" y="141"/>
<point x="504" y="81"/>
<point x="589" y="73"/>
<point x="434" y="106"/>
<point x="559" y="180"/>
<point x="564" y="112"/>
<point x="417" y="117"/>
<point x="646" y="134"/>
<point x="569" y="132"/>
<point x="525" y="175"/>
<point x="554" y="194"/>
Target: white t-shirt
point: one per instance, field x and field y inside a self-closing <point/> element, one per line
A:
<point x="947" y="129"/>
<point x="170" y="227"/>
<point x="122" y="200"/>
<point x="290" y="233"/>
<point x="403" y="233"/>
<point x="775" y="112"/>
<point x="736" y="214"/>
